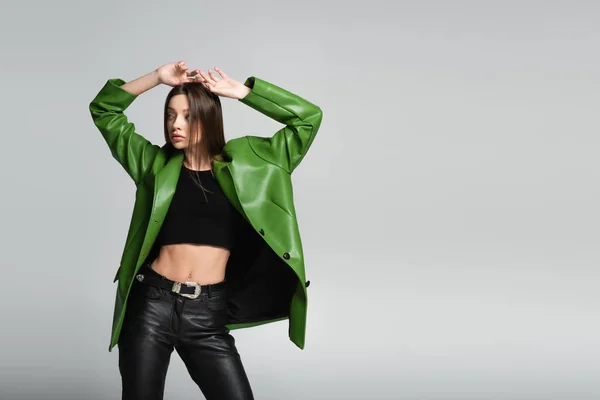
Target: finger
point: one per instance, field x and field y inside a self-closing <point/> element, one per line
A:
<point x="193" y="73"/>
<point x="203" y="81"/>
<point x="220" y="71"/>
<point x="199" y="79"/>
<point x="212" y="75"/>
<point x="187" y="75"/>
<point x="206" y="78"/>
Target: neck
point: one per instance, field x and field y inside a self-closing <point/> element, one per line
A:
<point x="192" y="161"/>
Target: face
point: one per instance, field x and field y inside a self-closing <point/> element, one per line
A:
<point x="178" y="122"/>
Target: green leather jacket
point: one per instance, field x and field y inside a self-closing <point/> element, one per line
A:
<point x="265" y="271"/>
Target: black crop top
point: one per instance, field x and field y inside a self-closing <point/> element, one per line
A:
<point x="197" y="217"/>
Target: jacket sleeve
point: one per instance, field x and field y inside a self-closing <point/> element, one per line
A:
<point x="134" y="152"/>
<point x="287" y="147"/>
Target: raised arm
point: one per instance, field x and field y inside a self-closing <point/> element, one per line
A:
<point x="288" y="146"/>
<point x="134" y="152"/>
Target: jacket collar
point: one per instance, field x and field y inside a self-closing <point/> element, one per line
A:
<point x="166" y="182"/>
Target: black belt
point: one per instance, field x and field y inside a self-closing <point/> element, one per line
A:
<point x="186" y="289"/>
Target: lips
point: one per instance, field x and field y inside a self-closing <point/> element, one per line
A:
<point x="177" y="137"/>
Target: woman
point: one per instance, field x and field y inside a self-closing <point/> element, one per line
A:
<point x="213" y="243"/>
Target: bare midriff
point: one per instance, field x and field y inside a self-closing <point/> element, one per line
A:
<point x="199" y="263"/>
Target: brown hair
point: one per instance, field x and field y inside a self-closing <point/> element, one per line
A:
<point x="205" y="114"/>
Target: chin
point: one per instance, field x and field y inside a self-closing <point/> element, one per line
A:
<point x="179" y="145"/>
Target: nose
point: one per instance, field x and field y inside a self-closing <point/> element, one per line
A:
<point x="179" y="122"/>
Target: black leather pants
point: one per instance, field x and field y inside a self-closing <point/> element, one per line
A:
<point x="158" y="321"/>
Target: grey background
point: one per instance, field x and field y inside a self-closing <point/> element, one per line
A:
<point x="448" y="206"/>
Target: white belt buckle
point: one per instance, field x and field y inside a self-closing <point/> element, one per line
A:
<point x="195" y="285"/>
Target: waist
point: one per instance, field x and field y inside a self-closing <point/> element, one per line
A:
<point x="190" y="262"/>
<point x="149" y="276"/>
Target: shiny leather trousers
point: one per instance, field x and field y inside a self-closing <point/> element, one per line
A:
<point x="158" y="321"/>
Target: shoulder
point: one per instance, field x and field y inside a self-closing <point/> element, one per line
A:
<point x="247" y="142"/>
<point x="236" y="145"/>
<point x="244" y="150"/>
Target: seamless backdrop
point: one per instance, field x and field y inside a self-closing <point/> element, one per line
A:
<point x="448" y="206"/>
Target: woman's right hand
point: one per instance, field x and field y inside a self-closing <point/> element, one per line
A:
<point x="176" y="73"/>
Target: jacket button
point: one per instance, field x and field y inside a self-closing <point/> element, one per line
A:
<point x="262" y="232"/>
<point x="286" y="256"/>
<point x="307" y="283"/>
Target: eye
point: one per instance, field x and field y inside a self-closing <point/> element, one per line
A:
<point x="169" y="116"/>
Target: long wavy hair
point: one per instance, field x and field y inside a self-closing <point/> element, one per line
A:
<point x="206" y="115"/>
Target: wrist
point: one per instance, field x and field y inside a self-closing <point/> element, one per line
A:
<point x="156" y="77"/>
<point x="243" y="92"/>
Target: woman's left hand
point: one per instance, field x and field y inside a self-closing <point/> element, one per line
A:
<point x="224" y="86"/>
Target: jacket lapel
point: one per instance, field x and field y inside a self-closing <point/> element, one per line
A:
<point x="165" y="183"/>
<point x="225" y="179"/>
